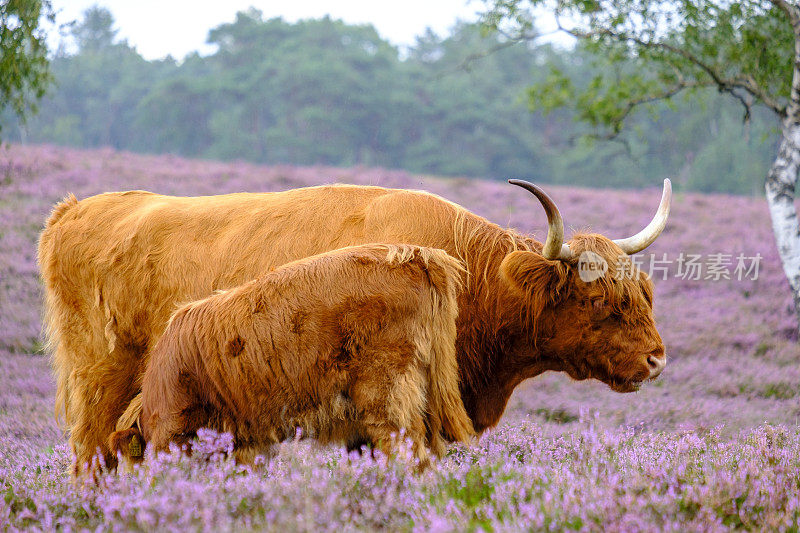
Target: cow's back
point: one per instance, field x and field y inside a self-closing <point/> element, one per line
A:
<point x="132" y="257"/>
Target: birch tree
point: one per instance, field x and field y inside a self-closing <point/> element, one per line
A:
<point x="656" y="50"/>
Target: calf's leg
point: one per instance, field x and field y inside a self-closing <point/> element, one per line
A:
<point x="390" y="398"/>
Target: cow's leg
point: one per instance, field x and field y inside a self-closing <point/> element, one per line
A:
<point x="247" y="454"/>
<point x="93" y="385"/>
<point x="356" y="444"/>
<point x="179" y="415"/>
<point x="75" y="347"/>
<point x="100" y="391"/>
<point x="171" y="425"/>
<point x="390" y="396"/>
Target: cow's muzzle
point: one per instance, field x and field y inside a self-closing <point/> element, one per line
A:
<point x="656" y="362"/>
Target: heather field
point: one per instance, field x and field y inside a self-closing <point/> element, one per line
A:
<point x="713" y="445"/>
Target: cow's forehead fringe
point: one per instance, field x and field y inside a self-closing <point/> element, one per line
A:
<point x="624" y="285"/>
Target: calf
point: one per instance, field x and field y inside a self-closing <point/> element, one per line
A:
<point x="351" y="346"/>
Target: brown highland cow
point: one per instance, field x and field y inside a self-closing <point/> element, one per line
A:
<point x="116" y="265"/>
<point x="351" y="346"/>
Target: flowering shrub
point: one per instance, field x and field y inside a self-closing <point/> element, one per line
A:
<point x="514" y="478"/>
<point x="714" y="444"/>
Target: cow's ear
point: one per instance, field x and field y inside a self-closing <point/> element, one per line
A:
<point x="534" y="276"/>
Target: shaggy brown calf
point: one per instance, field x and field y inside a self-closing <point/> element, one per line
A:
<point x="350" y="346"/>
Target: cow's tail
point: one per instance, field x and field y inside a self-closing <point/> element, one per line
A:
<point x="56" y="314"/>
<point x="131" y="416"/>
<point x="446" y="409"/>
<point x="60" y="208"/>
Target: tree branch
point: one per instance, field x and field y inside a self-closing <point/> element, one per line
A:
<point x="472" y="58"/>
<point x="727" y="85"/>
<point x="751" y="86"/>
<point x="666" y="94"/>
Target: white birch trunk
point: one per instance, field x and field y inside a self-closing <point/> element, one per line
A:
<point x="780" y="187"/>
<point x="782" y="177"/>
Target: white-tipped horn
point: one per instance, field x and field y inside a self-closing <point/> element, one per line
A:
<point x="650" y="233"/>
<point x="554" y="247"/>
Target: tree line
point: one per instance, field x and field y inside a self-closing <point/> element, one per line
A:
<point x="325" y="92"/>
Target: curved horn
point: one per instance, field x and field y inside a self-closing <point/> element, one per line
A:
<point x="650" y="233"/>
<point x="554" y="247"/>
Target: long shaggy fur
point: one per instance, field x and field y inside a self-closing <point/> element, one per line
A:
<point x="351" y="346"/>
<point x="116" y="265"/>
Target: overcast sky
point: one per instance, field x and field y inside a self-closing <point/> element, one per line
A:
<point x="160" y="27"/>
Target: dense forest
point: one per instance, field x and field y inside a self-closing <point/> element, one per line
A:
<point x="325" y="92"/>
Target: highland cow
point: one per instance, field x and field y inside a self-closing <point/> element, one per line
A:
<point x="115" y="265"/>
<point x="354" y="346"/>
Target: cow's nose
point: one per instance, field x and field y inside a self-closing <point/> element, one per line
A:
<point x="656" y="363"/>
